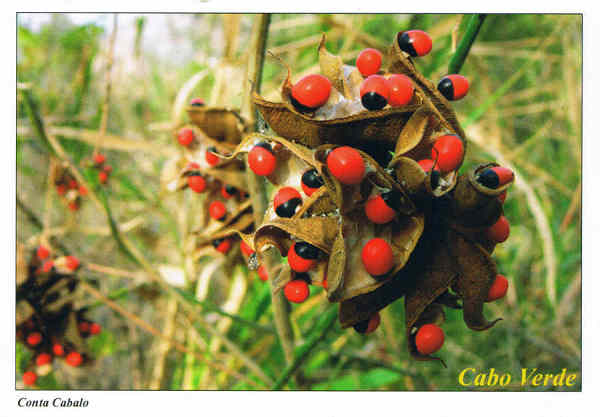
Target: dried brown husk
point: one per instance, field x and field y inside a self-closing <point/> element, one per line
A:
<point x="221" y="124"/>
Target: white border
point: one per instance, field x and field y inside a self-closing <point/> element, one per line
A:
<point x="328" y="404"/>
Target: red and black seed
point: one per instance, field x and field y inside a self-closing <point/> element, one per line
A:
<point x="306" y="251"/>
<point x="495" y="177"/>
<point x="311" y="181"/>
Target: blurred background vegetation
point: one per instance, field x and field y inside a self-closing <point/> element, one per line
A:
<point x="523" y="110"/>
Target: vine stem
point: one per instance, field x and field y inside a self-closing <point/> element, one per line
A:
<point x="464" y="46"/>
<point x="257" y="186"/>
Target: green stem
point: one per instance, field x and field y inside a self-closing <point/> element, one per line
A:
<point x="322" y="328"/>
<point x="36" y="119"/>
<point x="464" y="46"/>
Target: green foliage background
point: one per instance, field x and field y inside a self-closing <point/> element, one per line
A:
<point x="523" y="109"/>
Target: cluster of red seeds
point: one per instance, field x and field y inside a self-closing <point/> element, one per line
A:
<point x="70" y="190"/>
<point x="103" y="168"/>
<point x="346" y="164"/>
<point x="45" y="330"/>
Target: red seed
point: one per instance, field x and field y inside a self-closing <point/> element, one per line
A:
<point x="415" y="42"/>
<point x="246" y="249"/>
<point x="286" y="201"/>
<point x="42" y="252"/>
<point x="74" y="359"/>
<point x="99" y="159"/>
<point x="374" y="92"/>
<point x="224" y="246"/>
<point x="83" y="190"/>
<point x="58" y="350"/>
<point x="73" y="185"/>
<point x="185" y="136"/>
<point x="211" y="158"/>
<point x="107" y="169"/>
<point x="217" y="210"/>
<point x="378" y="211"/>
<point x="29" y="378"/>
<point x="34" y="339"/>
<point x="261" y="161"/>
<point x="84" y="327"/>
<point x="197" y="183"/>
<point x="95" y="328"/>
<point x="43" y="359"/>
<point x="262" y="273"/>
<point x="377" y="257"/>
<point x="453" y="86"/>
<point x="368" y="61"/>
<point x="429" y="339"/>
<point x="296" y="291"/>
<point x="448" y="150"/>
<point x="401" y="90"/>
<point x="73" y="205"/>
<point x="499" y="231"/>
<point x="61" y="189"/>
<point x="346" y="164"/>
<point x="197" y="102"/>
<point x="498" y="288"/>
<point x="298" y="263"/>
<point x="47" y="266"/>
<point x="71" y="262"/>
<point x="312" y="91"/>
<point x="427" y="164"/>
<point x="369" y="326"/>
<point x="102" y="177"/>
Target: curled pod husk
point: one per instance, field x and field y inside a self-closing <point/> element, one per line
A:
<point x="221" y="124"/>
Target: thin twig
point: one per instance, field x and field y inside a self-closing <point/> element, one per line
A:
<point x="108" y="82"/>
<point x="164" y="345"/>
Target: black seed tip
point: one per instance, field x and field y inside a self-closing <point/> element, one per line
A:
<point x="406" y="44"/>
<point x="288" y="209"/>
<point x="301" y="107"/>
<point x="312" y="179"/>
<point x="489" y="178"/>
<point x="306" y="250"/>
<point x="230" y="190"/>
<point x="446" y="88"/>
<point x="373" y="101"/>
<point x="392" y="199"/>
<point x="217" y="242"/>
<point x="265" y="145"/>
<point x="435" y="178"/>
<point x="303" y="276"/>
<point x="362" y="326"/>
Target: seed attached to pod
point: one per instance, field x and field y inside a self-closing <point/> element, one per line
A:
<point x="34" y="339"/>
<point x="448" y="151"/>
<point x="499" y="231"/>
<point x="107" y="169"/>
<point x="43" y="359"/>
<point x="73" y="185"/>
<point x="74" y="359"/>
<point x="197" y="102"/>
<point x="380" y="208"/>
<point x="346" y="164"/>
<point x="495" y="177"/>
<point x="102" y="177"/>
<point x="377" y="257"/>
<point x="227" y="191"/>
<point x="368" y="61"/>
<point x="185" y="136"/>
<point x="47" y="266"/>
<point x="73" y="205"/>
<point x="311" y="181"/>
<point x="82" y="190"/>
<point x="498" y="289"/>
<point x="84" y="327"/>
<point x="296" y="291"/>
<point x="401" y="90"/>
<point x="217" y="210"/>
<point x="453" y="87"/>
<point x="262" y="273"/>
<point x="29" y="378"/>
<point x="222" y="245"/>
<point x="42" y="252"/>
<point x="415" y="42"/>
<point x="428" y="165"/>
<point x="71" y="262"/>
<point x="374" y="92"/>
<point x="302" y="256"/>
<point x="286" y="201"/>
<point x="429" y="339"/>
<point x="310" y="93"/>
<point x="197" y="183"/>
<point x="61" y="189"/>
<point x="368" y="326"/>
<point x="95" y="328"/>
<point x="99" y="159"/>
<point x="246" y="249"/>
<point x="210" y="157"/>
<point x="261" y="159"/>
<point x="58" y="350"/>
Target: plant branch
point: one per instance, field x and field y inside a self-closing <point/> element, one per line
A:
<point x="464" y="46"/>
